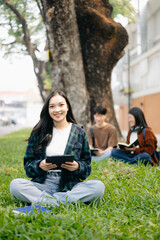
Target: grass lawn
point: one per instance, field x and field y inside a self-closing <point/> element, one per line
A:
<point x="130" y="208"/>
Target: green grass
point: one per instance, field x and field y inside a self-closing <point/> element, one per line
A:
<point x="130" y="208"/>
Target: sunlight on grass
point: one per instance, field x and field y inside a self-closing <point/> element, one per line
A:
<point x="130" y="208"/>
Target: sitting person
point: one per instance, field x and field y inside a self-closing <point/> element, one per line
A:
<point x="144" y="152"/>
<point x="57" y="133"/>
<point x="101" y="135"/>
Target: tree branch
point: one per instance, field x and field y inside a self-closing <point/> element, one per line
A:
<point x="41" y="10"/>
<point x="30" y="47"/>
<point x="27" y="39"/>
<point x="10" y="43"/>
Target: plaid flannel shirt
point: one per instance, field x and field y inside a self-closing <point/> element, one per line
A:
<point x="77" y="145"/>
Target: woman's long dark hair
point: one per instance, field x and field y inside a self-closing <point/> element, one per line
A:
<point x="139" y="117"/>
<point x="45" y="125"/>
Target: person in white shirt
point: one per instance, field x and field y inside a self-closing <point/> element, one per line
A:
<point x="57" y="133"/>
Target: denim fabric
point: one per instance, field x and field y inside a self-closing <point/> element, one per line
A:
<point x="46" y="193"/>
<point x="104" y="156"/>
<point x="131" y="158"/>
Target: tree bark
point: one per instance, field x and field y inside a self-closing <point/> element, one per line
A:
<point x="65" y="55"/>
<point x="102" y="42"/>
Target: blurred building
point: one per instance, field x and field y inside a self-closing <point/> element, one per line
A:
<point x="137" y="73"/>
<point x="21" y="108"/>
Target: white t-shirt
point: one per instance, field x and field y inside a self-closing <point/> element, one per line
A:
<point x="59" y="141"/>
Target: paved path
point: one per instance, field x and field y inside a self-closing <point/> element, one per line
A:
<point x="8" y="129"/>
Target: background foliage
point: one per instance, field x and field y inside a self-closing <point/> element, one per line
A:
<point x="130" y="208"/>
<point x="123" y="8"/>
<point x="12" y="39"/>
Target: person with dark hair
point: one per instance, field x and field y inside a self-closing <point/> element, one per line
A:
<point x="144" y="152"/>
<point x="57" y="133"/>
<point x="101" y="135"/>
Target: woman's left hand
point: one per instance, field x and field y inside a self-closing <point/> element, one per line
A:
<point x="70" y="166"/>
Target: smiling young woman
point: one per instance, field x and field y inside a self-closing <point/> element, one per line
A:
<point x="57" y="133"/>
<point x="58" y="111"/>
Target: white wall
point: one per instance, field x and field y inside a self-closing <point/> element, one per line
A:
<point x="153" y="22"/>
<point x="144" y="68"/>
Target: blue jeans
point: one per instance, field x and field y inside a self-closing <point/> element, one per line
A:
<point x="131" y="158"/>
<point x="103" y="156"/>
<point x="46" y="193"/>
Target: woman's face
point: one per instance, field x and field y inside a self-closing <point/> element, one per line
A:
<point x="58" y="108"/>
<point x="131" y="120"/>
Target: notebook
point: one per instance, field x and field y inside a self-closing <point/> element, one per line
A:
<point x="124" y="145"/>
<point x="30" y="210"/>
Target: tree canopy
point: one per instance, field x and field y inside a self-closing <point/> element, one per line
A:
<point x="12" y="38"/>
<point x="123" y="8"/>
<point x="24" y="32"/>
<point x="11" y="19"/>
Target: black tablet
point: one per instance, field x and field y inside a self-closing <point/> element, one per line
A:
<point x="59" y="159"/>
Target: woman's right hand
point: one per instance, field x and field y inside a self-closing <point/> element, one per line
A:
<point x="46" y="166"/>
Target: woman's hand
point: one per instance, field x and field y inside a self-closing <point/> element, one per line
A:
<point x="99" y="152"/>
<point x="130" y="149"/>
<point x="46" y="166"/>
<point x="70" y="166"/>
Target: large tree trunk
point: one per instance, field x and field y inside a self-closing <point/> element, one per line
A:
<point x="65" y="55"/>
<point x="102" y="42"/>
<point x="100" y="46"/>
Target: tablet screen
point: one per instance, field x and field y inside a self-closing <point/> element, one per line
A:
<point x="59" y="159"/>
